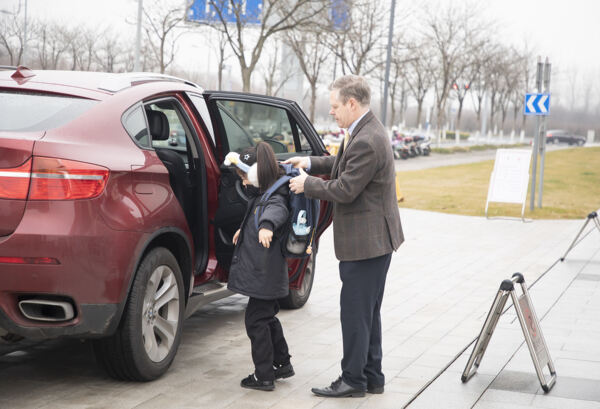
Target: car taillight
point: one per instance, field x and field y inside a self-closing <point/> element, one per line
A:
<point x="61" y="179"/>
<point x="14" y="182"/>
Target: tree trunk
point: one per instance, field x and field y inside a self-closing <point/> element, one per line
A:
<point x="459" y="114"/>
<point x="246" y="79"/>
<point x="419" y="112"/>
<point x="313" y="100"/>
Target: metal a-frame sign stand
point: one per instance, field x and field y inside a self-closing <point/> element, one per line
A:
<point x="529" y="324"/>
<point x="592" y="216"/>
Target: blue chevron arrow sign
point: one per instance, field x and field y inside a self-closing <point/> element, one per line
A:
<point x="537" y="104"/>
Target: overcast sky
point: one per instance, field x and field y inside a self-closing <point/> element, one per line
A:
<point x="567" y="31"/>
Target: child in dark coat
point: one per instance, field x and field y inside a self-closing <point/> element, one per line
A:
<point x="259" y="270"/>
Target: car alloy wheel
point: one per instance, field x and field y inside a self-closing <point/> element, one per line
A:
<point x="160" y="315"/>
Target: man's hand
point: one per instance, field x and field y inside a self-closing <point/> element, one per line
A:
<point x="298" y="162"/>
<point x="236" y="236"/>
<point x="297" y="183"/>
<point x="264" y="237"/>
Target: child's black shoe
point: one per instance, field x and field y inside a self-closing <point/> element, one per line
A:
<point x="251" y="382"/>
<point x="284" y="371"/>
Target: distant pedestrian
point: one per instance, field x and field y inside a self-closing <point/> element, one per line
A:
<point x="366" y="229"/>
<point x="259" y="270"/>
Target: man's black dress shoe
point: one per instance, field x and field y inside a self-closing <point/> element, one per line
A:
<point x="338" y="389"/>
<point x="283" y="371"/>
<point x="251" y="382"/>
<point x="375" y="389"/>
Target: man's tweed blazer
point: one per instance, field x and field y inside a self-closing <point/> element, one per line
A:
<point x="366" y="220"/>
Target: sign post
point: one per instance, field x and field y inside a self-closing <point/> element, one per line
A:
<point x="531" y="331"/>
<point x="539" y="104"/>
<point x="543" y="132"/>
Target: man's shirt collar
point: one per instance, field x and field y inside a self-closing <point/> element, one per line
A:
<point x="351" y="127"/>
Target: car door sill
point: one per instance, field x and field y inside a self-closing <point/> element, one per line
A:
<point x="206" y="293"/>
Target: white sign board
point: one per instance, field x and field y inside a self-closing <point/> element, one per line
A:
<point x="510" y="177"/>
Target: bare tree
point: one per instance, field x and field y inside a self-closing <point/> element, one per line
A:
<point x="307" y="43"/>
<point x="358" y="44"/>
<point x="108" y="52"/>
<point x="450" y="31"/>
<point x="163" y="29"/>
<point x="419" y="74"/>
<point x="246" y="39"/>
<point x="275" y="73"/>
<point x="12" y="35"/>
<point x="221" y="57"/>
<point x="51" y="44"/>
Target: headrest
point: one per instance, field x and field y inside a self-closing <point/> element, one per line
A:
<point x="159" y="125"/>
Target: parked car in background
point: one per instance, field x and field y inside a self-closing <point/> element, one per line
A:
<point x="562" y="136"/>
<point x="116" y="213"/>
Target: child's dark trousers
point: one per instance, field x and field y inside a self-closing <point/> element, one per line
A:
<point x="266" y="337"/>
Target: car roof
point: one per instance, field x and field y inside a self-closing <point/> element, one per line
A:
<point x="83" y="83"/>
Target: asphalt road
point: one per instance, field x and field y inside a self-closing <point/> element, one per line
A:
<point x="435" y="160"/>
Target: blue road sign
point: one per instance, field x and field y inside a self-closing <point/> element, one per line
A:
<point x="340" y="14"/>
<point x="537" y="104"/>
<point x="207" y="10"/>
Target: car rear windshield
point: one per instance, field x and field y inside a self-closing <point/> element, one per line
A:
<point x="38" y="111"/>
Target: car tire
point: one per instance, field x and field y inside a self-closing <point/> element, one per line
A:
<point x="298" y="297"/>
<point x="147" y="339"/>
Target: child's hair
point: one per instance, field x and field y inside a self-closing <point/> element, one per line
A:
<point x="266" y="163"/>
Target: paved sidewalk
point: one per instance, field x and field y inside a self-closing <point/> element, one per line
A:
<point x="440" y="286"/>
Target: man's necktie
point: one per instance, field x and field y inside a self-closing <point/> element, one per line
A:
<point x="346" y="138"/>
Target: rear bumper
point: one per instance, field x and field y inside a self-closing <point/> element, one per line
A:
<point x="95" y="320"/>
<point x="94" y="270"/>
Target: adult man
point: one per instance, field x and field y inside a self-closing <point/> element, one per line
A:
<point x="366" y="229"/>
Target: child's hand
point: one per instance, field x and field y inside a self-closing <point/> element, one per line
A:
<point x="264" y="237"/>
<point x="236" y="236"/>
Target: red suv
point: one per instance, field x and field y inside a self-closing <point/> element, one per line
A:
<point x="116" y="213"/>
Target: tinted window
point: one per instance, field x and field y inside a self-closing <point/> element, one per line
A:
<point x="177" y="139"/>
<point x="247" y="123"/>
<point x="200" y="105"/>
<point x="135" y="124"/>
<point x="39" y="112"/>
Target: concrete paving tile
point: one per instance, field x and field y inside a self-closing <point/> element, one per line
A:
<point x="339" y="403"/>
<point x="552" y="402"/>
<point x="498" y="405"/>
<point x="517" y="382"/>
<point x="445" y="400"/>
<point x="500" y="396"/>
<point x="388" y="400"/>
<point x="400" y="384"/>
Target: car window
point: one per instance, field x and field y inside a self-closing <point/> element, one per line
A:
<point x="177" y="138"/>
<point x="304" y="145"/>
<point x="135" y="125"/>
<point x="247" y="123"/>
<point x="30" y="111"/>
<point x="200" y="105"/>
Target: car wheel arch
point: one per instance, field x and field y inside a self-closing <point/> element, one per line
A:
<point x="174" y="240"/>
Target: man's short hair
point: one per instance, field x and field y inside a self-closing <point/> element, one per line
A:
<point x="352" y="86"/>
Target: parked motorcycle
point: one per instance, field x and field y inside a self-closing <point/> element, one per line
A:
<point x="423" y="143"/>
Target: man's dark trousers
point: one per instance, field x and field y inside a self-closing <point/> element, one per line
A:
<point x="363" y="283"/>
<point x="266" y="337"/>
